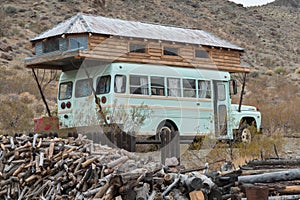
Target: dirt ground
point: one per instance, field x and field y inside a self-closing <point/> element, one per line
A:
<point x="215" y="158"/>
<point x="291" y="148"/>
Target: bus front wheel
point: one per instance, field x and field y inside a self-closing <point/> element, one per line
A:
<point x="243" y="134"/>
<point x="246" y="135"/>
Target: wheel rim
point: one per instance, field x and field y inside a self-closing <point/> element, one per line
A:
<point x="246" y="136"/>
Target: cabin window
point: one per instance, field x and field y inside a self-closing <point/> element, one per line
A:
<point x="65" y="90"/>
<point x="120" y="84"/>
<point x="171" y="51"/>
<point x="157" y="86"/>
<point x="201" y="53"/>
<point x="204" y="89"/>
<point x="103" y="85"/>
<point x="83" y="88"/>
<point x="189" y="88"/>
<point x="51" y="45"/>
<point x="137" y="48"/>
<point x="174" y="87"/>
<point x="78" y="43"/>
<point x="138" y="85"/>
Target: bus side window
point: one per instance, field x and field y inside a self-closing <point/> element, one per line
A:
<point x="65" y="90"/>
<point x="157" y="86"/>
<point x="103" y="85"/>
<point x="120" y="84"/>
<point x="189" y="88"/>
<point x="174" y="87"/>
<point x="83" y="88"/>
<point x="138" y="84"/>
<point x="204" y="89"/>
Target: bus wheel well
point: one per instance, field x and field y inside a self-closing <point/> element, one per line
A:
<point x="248" y="120"/>
<point x="245" y="132"/>
<point x="169" y="123"/>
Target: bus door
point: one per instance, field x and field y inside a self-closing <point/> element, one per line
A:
<point x="84" y="103"/>
<point x="220" y="107"/>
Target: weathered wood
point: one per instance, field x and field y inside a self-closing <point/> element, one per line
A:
<point x="258" y="163"/>
<point x="196" y="195"/>
<point x="142" y="192"/>
<point x="119" y="161"/>
<point x="88" y="162"/>
<point x="281" y="197"/>
<point x="294" y="189"/>
<point x="260" y="171"/>
<point x="287" y="175"/>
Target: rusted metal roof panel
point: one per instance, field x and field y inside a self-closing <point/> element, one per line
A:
<point x="82" y="23"/>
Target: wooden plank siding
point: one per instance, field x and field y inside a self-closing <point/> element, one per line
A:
<point x="116" y="49"/>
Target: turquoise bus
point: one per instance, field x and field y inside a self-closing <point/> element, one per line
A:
<point x="148" y="99"/>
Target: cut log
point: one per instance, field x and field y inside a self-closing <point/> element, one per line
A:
<point x="196" y="195"/>
<point x="283" y="163"/>
<point x="295" y="189"/>
<point x="287" y="175"/>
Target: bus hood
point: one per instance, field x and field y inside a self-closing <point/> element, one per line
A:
<point x="235" y="107"/>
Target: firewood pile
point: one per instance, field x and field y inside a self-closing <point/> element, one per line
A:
<point x="33" y="167"/>
<point x="261" y="179"/>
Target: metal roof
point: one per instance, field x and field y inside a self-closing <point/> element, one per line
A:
<point x="82" y="23"/>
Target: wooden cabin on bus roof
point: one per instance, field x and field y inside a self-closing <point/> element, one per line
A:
<point x="68" y="44"/>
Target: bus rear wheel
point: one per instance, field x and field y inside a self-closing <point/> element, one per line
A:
<point x="165" y="125"/>
<point x="167" y="129"/>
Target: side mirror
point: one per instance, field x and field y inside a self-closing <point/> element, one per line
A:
<point x="233" y="87"/>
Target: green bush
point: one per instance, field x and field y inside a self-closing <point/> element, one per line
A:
<point x="279" y="70"/>
<point x="11" y="10"/>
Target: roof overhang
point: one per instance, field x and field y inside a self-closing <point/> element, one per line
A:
<point x="56" y="61"/>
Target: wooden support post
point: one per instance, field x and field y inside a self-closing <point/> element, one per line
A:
<point x="242" y="92"/>
<point x="162" y="145"/>
<point x="41" y="92"/>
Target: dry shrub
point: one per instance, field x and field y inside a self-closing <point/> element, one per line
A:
<point x="27" y="98"/>
<point x="261" y="147"/>
<point x="278" y="102"/>
<point x="15" y="116"/>
<point x="269" y="72"/>
<point x="12" y="81"/>
<point x="3" y="23"/>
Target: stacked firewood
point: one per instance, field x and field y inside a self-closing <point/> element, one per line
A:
<point x="270" y="178"/>
<point x="35" y="167"/>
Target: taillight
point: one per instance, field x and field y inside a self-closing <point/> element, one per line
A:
<point x="63" y="105"/>
<point x="68" y="104"/>
<point x="103" y="99"/>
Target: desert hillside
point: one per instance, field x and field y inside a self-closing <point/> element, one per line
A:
<point x="269" y="34"/>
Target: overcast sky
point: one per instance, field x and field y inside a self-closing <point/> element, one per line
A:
<point x="252" y="2"/>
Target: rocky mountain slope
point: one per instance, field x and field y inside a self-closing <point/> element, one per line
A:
<point x="269" y="34"/>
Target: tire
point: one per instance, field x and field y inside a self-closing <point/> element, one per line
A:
<point x="165" y="126"/>
<point x="246" y="135"/>
<point x="169" y="139"/>
<point x="243" y="134"/>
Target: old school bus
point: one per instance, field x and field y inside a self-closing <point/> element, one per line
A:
<point x="179" y="78"/>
